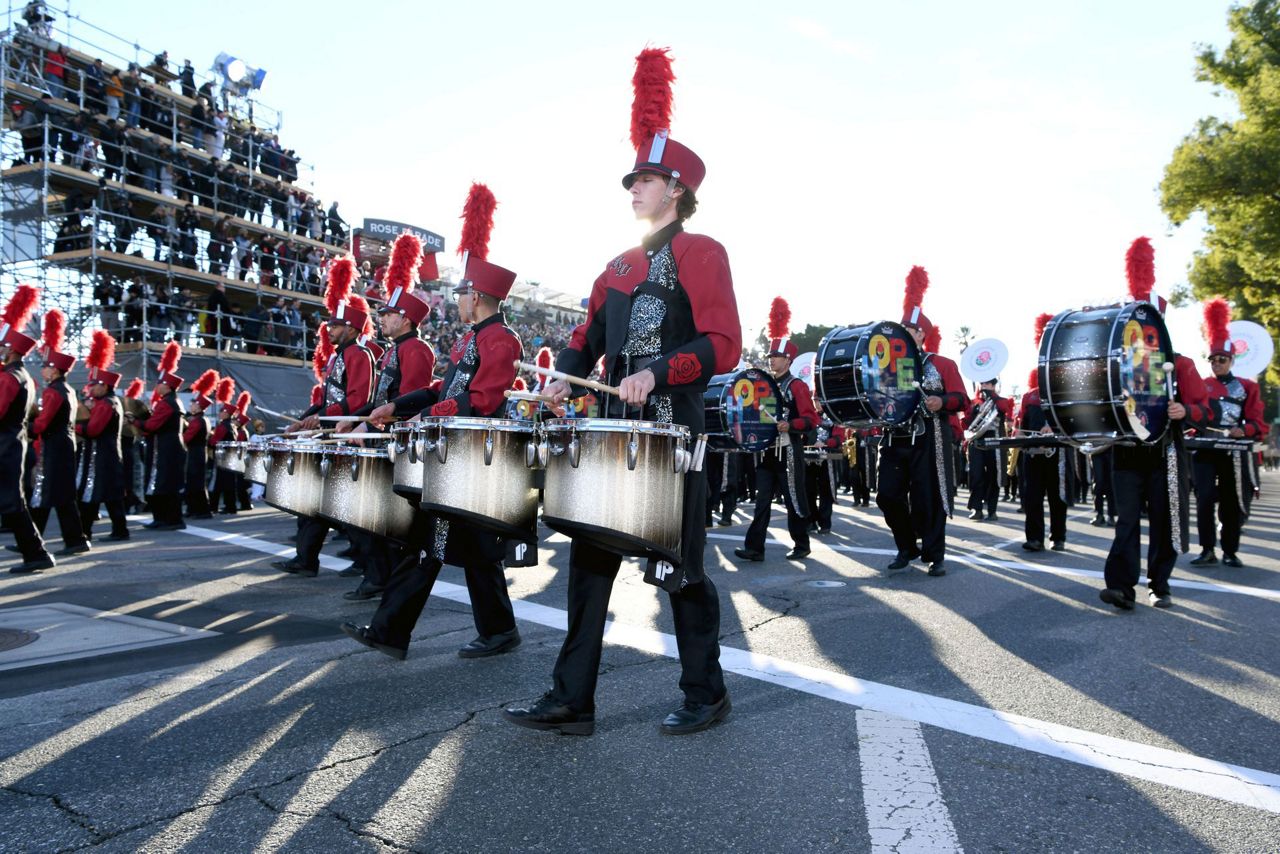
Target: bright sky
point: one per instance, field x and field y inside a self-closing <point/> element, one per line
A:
<point x="1014" y="149"/>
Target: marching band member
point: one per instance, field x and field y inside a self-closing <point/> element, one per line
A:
<point x="914" y="490"/>
<point x="1147" y="471"/>
<point x="1044" y="475"/>
<point x="129" y="436"/>
<point x="54" y="427"/>
<point x="168" y="453"/>
<point x="195" y="437"/>
<point x="406" y="366"/>
<point x="820" y="479"/>
<point x="17" y="402"/>
<point x="348" y="382"/>
<point x="984" y="463"/>
<point x="481" y="369"/>
<point x="103" y="473"/>
<point x="664" y="318"/>
<point x="784" y="464"/>
<point x="224" y="481"/>
<point x="241" y="422"/>
<point x="1222" y="477"/>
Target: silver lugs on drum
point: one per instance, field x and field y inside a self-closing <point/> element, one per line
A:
<point x="294" y="483"/>
<point x="357" y="492"/>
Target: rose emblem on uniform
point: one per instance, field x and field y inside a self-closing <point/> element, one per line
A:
<point x="445" y="407"/>
<point x="685" y="368"/>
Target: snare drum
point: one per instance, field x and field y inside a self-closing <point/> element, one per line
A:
<point x="618" y="484"/>
<point x="481" y="471"/>
<point x="357" y="491"/>
<point x="865" y="375"/>
<point x="294" y="481"/>
<point x="230" y="455"/>
<point x="742" y="411"/>
<point x="1102" y="375"/>
<point x="257" y="462"/>
<point x="405" y="452"/>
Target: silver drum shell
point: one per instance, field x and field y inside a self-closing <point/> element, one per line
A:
<point x="294" y="483"/>
<point x="500" y="494"/>
<point x="357" y="492"/>
<point x="406" y="440"/>
<point x="230" y="455"/>
<point x="257" y="463"/>
<point x="634" y="512"/>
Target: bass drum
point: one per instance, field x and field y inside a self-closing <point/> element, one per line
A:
<point x="1102" y="374"/>
<point x="865" y="376"/>
<point x="742" y="411"/>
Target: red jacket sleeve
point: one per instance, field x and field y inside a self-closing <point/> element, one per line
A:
<point x="705" y="276"/>
<point x="99" y="418"/>
<point x="50" y="403"/>
<point x="8" y="391"/>
<point x="498" y="349"/>
<point x="359" y="377"/>
<point x="221" y="433"/>
<point x="194" y="429"/>
<point x="417" y="368"/>
<point x="1254" y="426"/>
<point x="806" y="416"/>
<point x="160" y="414"/>
<point x="1192" y="393"/>
<point x="953" y="394"/>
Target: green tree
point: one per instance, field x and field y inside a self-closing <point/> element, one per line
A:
<point x="810" y="338"/>
<point x="1229" y="169"/>
<point x="964" y="337"/>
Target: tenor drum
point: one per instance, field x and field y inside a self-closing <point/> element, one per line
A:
<point x="357" y="491"/>
<point x="1102" y="374"/>
<point x="257" y="462"/>
<point x="742" y="411"/>
<point x="865" y="376"/>
<point x="405" y="451"/>
<point x="230" y="455"/>
<point x="616" y="483"/>
<point x="294" y="481"/>
<point x="481" y="471"/>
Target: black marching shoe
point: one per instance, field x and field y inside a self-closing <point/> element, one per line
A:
<point x="826" y="530"/>
<point x="975" y="515"/>
<point x="1098" y="521"/>
<point x="695" y="717"/>
<point x="118" y="537"/>
<point x="1207" y="558"/>
<point x="1116" y="597"/>
<point x="992" y="517"/>
<point x="749" y="554"/>
<point x="1033" y="546"/>
<point x="361" y="635"/>
<point x="44" y="561"/>
<point x="938" y="568"/>
<point x="362" y="593"/>
<point x="1159" y="600"/>
<point x="797" y="554"/>
<point x="352" y="571"/>
<point x="901" y="560"/>
<point x="199" y="515"/>
<point x="483" y="647"/>
<point x="547" y="714"/>
<point x="14" y="549"/>
<point x="348" y="552"/>
<point x="295" y="568"/>
<point x="168" y="526"/>
<point x="1229" y="559"/>
<point x="725" y="522"/>
<point x="1059" y="546"/>
<point x="77" y="549"/>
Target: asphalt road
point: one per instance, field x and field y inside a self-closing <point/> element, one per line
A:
<point x="999" y="708"/>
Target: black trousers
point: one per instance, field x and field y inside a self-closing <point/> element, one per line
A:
<point x="1043" y="481"/>
<point x="695" y="610"/>
<point x="1138" y="474"/>
<point x="68" y="522"/>
<point x="910" y="497"/>
<point x="115" y="510"/>
<point x="197" y="496"/>
<point x="24" y="534"/>
<point x="1215" y="481"/>
<point x="166" y="509"/>
<point x="984" y="479"/>
<point x="1104" y="497"/>
<point x="817" y="485"/>
<point x="771" y="474"/>
<point x="376" y="555"/>
<point x="412" y="580"/>
<point x="224" y="491"/>
<point x="311" y="534"/>
<point x="722" y="484"/>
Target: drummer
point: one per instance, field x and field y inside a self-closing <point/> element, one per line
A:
<point x="664" y="318"/>
<point x="168" y="453"/>
<point x="481" y="369"/>
<point x="1143" y="473"/>
<point x="1045" y="475"/>
<point x="406" y="366"/>
<point x="103" y="477"/>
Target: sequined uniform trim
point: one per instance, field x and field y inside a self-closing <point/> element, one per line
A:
<point x="390" y="373"/>
<point x="37" y="491"/>
<point x="940" y="465"/>
<point x="1238" y="472"/>
<point x="87" y="477"/>
<point x="461" y="378"/>
<point x="1062" y="478"/>
<point x="644" y="331"/>
<point x="789" y="453"/>
<point x="1175" y="496"/>
<point x="335" y="389"/>
<point x="441" y="540"/>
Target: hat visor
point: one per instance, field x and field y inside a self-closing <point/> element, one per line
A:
<point x="648" y="168"/>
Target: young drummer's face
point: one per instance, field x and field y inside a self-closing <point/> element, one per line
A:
<point x="647" y="191"/>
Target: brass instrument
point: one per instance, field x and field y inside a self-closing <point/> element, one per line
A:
<point x="988" y="415"/>
<point x="850" y="449"/>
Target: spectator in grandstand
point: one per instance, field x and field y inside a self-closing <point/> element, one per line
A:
<point x="132" y="84"/>
<point x="219" y="247"/>
<point x="114" y="93"/>
<point x="199" y="122"/>
<point x="218" y="315"/>
<point x="337" y="226"/>
<point x="37" y="16"/>
<point x="187" y="79"/>
<point x="55" y="71"/>
<point x="95" y="81"/>
<point x="243" y="254"/>
<point x="188" y="247"/>
<point x="220" y="123"/>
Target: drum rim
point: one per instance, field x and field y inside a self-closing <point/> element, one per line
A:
<point x="731" y="379"/>
<point x="614" y="425"/>
<point x="861" y="398"/>
<point x="355" y="451"/>
<point x="476" y="422"/>
<point x="307" y="445"/>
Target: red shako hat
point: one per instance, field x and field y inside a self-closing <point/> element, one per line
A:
<point x="102" y="353"/>
<point x="656" y="151"/>
<point x="780" y="330"/>
<point x="55" y="333"/>
<point x="169" y="364"/>
<point x="201" y="387"/>
<point x="1217" y="314"/>
<point x="405" y="266"/>
<point x="17" y="314"/>
<point x="913" y="316"/>
<point x="477" y="225"/>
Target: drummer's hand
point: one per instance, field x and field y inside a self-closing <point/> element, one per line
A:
<point x="344" y="427"/>
<point x="634" y="390"/>
<point x="784" y="426"/>
<point x="1046" y="430"/>
<point x="310" y="423"/>
<point x="362" y="427"/>
<point x="1177" y="411"/>
<point x="558" y="390"/>
<point x="383" y="415"/>
<point x="933" y="403"/>
<point x="1235" y="433"/>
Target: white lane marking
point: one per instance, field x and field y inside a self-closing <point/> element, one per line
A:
<point x="900" y="791"/>
<point x="975" y="559"/>
<point x="1188" y="772"/>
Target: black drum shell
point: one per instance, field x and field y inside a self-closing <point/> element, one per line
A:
<point x="841" y="386"/>
<point x="755" y="436"/>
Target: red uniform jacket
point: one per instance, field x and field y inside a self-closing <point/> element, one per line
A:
<point x="1251" y="421"/>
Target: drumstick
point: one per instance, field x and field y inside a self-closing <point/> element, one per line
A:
<point x="351" y="437"/>
<point x="512" y="394"/>
<point x="277" y="414"/>
<point x="344" y="417"/>
<point x="569" y="378"/>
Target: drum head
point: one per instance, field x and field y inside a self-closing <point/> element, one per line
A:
<point x="743" y="410"/>
<point x="866" y="375"/>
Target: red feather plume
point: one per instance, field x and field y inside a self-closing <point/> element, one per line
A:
<point x="21" y="306"/>
<point x="917" y="284"/>
<point x="1042" y="320"/>
<point x="341" y="273"/>
<point x="324" y="351"/>
<point x="520" y="384"/>
<point x="102" y="351"/>
<point x="1140" y="268"/>
<point x="55" y="329"/>
<point x="651" y="106"/>
<point x="933" y="340"/>
<point x="170" y="358"/>
<point x="1033" y="381"/>
<point x="1217" y="314"/>
<point x="242" y="403"/>
<point x="317" y="394"/>
<point x="543" y="359"/>
<point x="134" y="389"/>
<point x="226" y="390"/>
<point x="406" y="255"/>
<point x="477" y="222"/>
<point x="779" y="318"/>
<point x="205" y="382"/>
